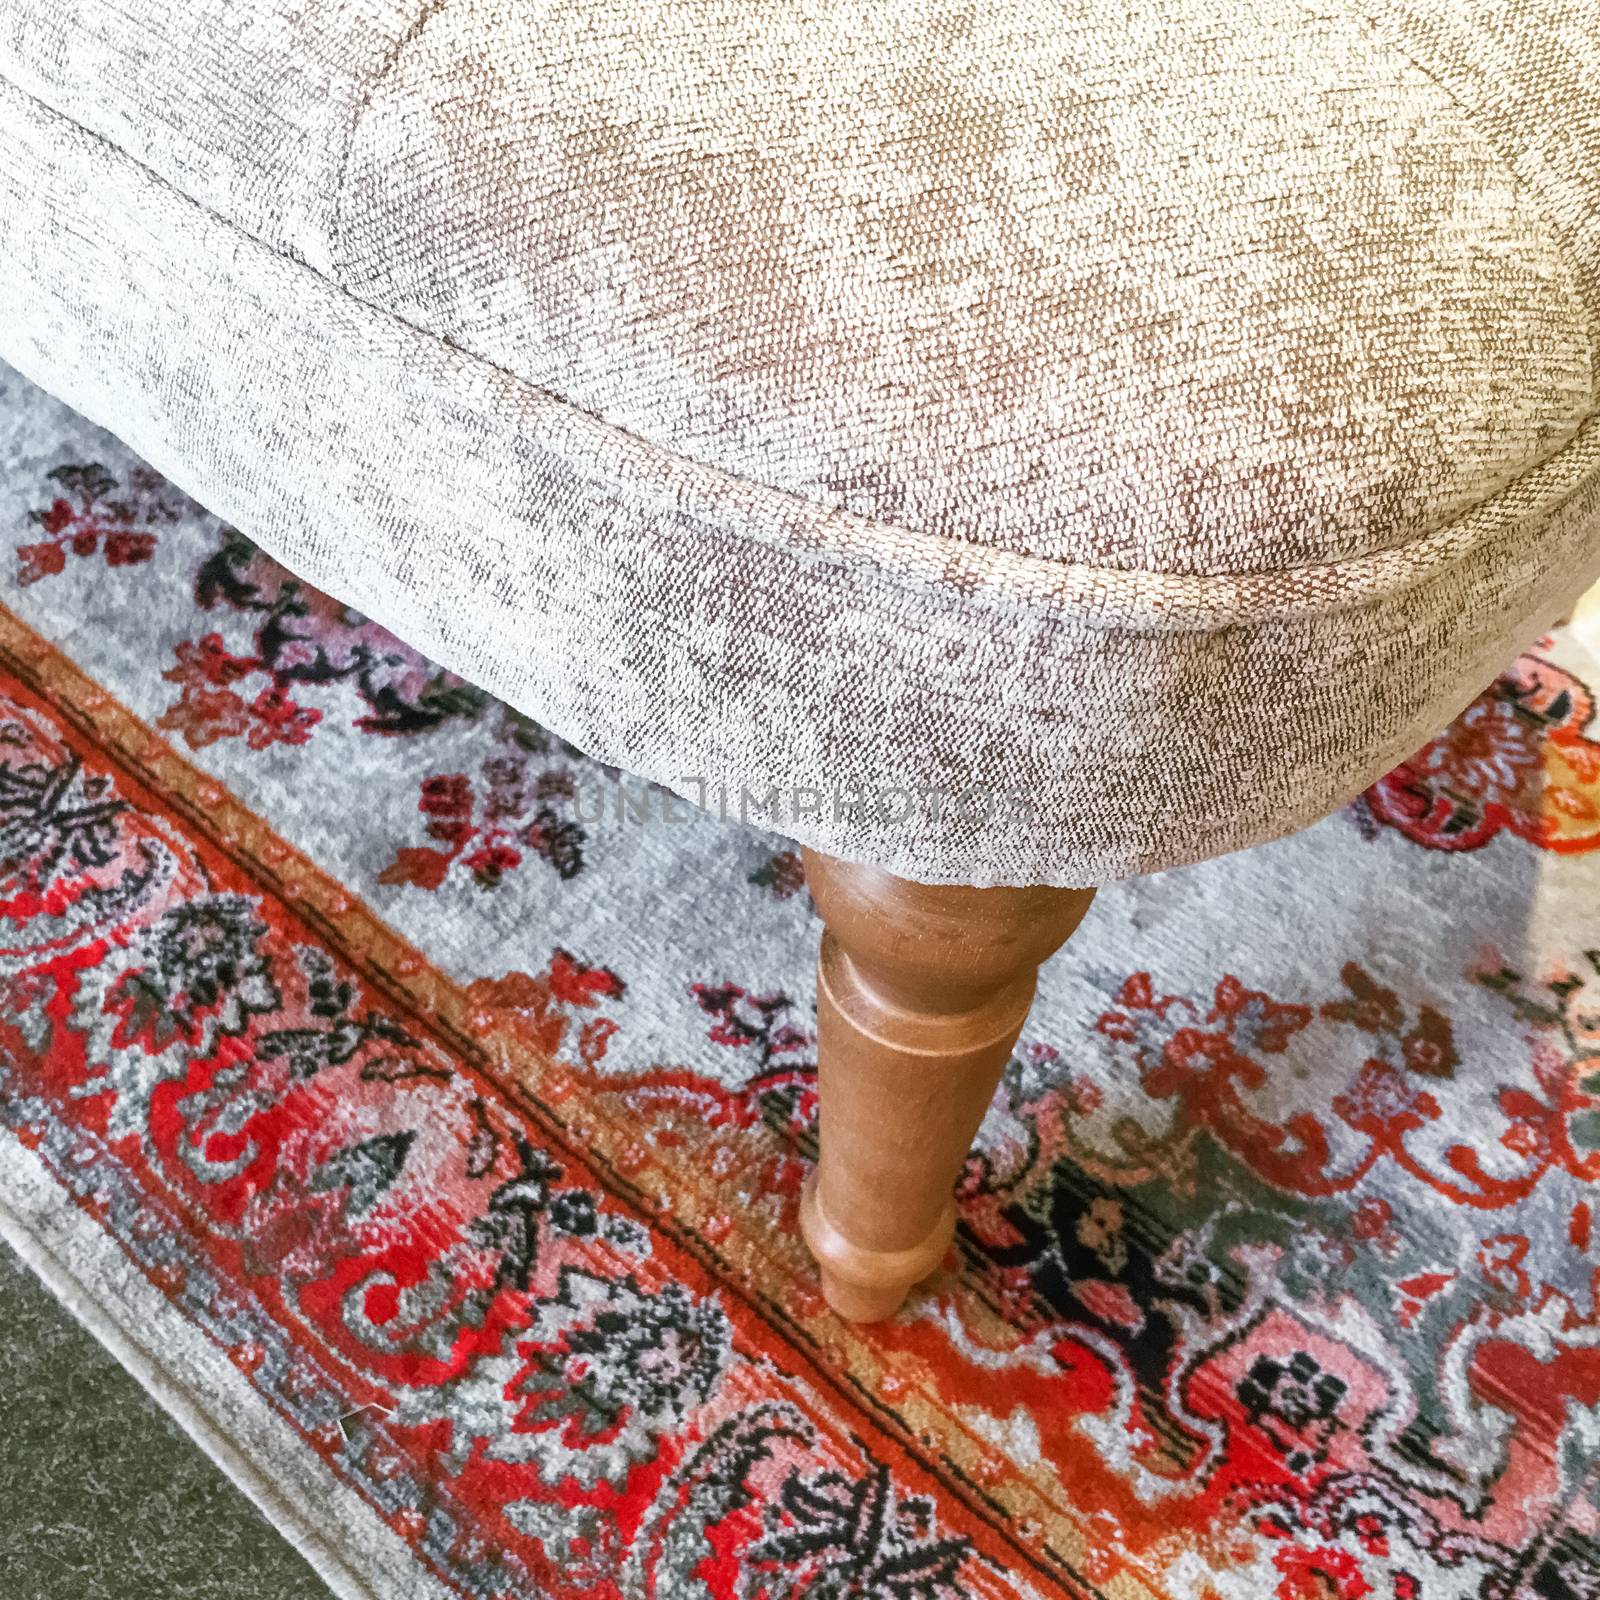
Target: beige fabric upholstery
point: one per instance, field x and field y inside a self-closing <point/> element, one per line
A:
<point x="1163" y="420"/>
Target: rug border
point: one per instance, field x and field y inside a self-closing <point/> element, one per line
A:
<point x="207" y="809"/>
<point x="30" y="1210"/>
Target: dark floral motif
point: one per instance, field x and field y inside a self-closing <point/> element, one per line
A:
<point x="783" y="874"/>
<point x="302" y="641"/>
<point x="53" y="814"/>
<point x="510" y="1222"/>
<point x="754" y="1021"/>
<point x="615" y="1354"/>
<point x="335" y="1032"/>
<point x="200" y="961"/>
<point x="781" y="1082"/>
<point x="1426" y="1047"/>
<point x="88" y="517"/>
<point x="603" y="1367"/>
<point x="831" y="1538"/>
<point x="1296" y="1403"/>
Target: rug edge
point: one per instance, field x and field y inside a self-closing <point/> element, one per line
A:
<point x="280" y="1509"/>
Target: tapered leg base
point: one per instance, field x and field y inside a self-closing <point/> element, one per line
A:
<point x="857" y="1304"/>
<point x="922" y="991"/>
<point x="865" y="1285"/>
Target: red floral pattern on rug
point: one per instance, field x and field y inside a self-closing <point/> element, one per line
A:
<point x="1292" y="1363"/>
<point x="302" y="643"/>
<point x="92" y="514"/>
<point x="492" y="830"/>
<point x="306" y="646"/>
<point x="1518" y="759"/>
<point x="556" y="1399"/>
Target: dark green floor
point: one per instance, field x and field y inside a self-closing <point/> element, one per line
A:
<point x="102" y="1497"/>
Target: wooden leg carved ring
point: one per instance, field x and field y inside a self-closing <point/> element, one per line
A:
<point x="921" y="993"/>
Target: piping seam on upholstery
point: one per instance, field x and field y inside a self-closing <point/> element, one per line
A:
<point x="425" y="14"/>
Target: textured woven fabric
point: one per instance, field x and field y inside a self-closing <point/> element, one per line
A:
<point x="1160" y="427"/>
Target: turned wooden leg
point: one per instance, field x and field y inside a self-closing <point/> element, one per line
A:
<point x="921" y="993"/>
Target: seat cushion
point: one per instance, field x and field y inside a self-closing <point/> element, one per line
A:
<point x="1161" y="425"/>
